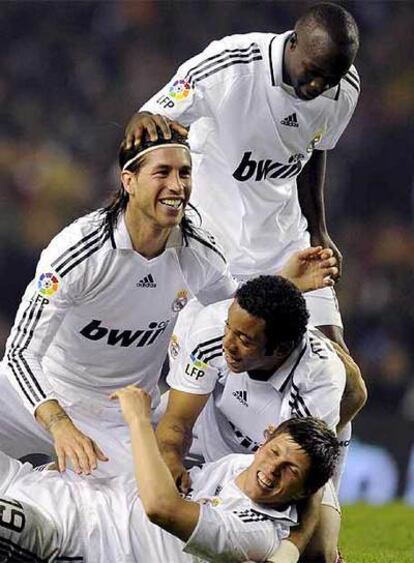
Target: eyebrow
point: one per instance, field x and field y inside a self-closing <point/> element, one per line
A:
<point x="291" y="463"/>
<point x="159" y="167"/>
<point x="239" y="332"/>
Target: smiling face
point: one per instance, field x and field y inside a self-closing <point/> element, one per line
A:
<point x="244" y="341"/>
<point x="278" y="472"/>
<point x="312" y="62"/>
<point x="160" y="189"/>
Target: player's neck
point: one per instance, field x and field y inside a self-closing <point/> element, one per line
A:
<point x="148" y="239"/>
<point x="270" y="366"/>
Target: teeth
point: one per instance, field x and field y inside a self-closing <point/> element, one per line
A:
<point x="263" y="480"/>
<point x="176" y="203"/>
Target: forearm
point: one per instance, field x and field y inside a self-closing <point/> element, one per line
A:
<point x="311" y="184"/>
<point x="291" y="548"/>
<point x="309" y="517"/>
<point x="174" y="437"/>
<point x="156" y="486"/>
<point x="50" y="413"/>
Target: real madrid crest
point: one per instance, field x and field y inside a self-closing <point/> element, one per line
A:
<point x="317" y="138"/>
<point x="174" y="346"/>
<point x="180" y="301"/>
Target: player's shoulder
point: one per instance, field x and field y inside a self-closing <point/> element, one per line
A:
<point x="205" y="245"/>
<point x="350" y="86"/>
<point x="245" y="40"/>
<point x="228" y="58"/>
<point x="207" y="332"/>
<point x="321" y="355"/>
<point x="77" y="242"/>
<point x="212" y="318"/>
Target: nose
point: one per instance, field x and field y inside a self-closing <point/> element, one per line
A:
<point x="276" y="467"/>
<point x="229" y="342"/>
<point x="175" y="183"/>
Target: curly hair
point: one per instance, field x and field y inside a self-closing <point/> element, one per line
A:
<point x="280" y="304"/>
<point x="318" y="441"/>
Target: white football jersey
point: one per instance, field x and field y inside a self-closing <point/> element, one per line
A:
<point x="98" y="315"/>
<point x="309" y="383"/>
<point x="103" y="520"/>
<point x="251" y="136"/>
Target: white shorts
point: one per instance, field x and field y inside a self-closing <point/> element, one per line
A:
<point x="323" y="307"/>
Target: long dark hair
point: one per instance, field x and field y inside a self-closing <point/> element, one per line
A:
<point x="119" y="201"/>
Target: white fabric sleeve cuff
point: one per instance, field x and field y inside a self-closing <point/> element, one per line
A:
<point x="287" y="552"/>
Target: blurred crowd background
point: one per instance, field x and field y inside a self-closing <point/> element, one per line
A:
<point x="72" y="74"/>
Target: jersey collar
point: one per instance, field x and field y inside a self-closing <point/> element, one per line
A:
<point x="122" y="240"/>
<point x="281" y="378"/>
<point x="275" y="61"/>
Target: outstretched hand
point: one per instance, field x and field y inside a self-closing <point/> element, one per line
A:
<point x="312" y="268"/>
<point x="144" y="123"/>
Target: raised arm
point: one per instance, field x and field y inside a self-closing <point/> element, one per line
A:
<point x="174" y="432"/>
<point x="156" y="487"/>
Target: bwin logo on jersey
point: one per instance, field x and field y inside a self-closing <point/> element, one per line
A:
<point x="264" y="169"/>
<point x="125" y="338"/>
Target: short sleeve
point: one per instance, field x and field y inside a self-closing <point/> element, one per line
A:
<point x="192" y="371"/>
<point x="194" y="91"/>
<point x="207" y="270"/>
<point x="223" y="535"/>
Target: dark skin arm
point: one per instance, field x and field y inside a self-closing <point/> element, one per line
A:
<point x="174" y="432"/>
<point x="311" y="182"/>
<point x="309" y="510"/>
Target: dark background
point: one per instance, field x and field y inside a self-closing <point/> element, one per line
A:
<point x="73" y="72"/>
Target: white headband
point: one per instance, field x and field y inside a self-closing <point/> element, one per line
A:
<point x="149" y="149"/>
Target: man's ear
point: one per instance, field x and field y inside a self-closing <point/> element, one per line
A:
<point x="284" y="349"/>
<point x="126" y="179"/>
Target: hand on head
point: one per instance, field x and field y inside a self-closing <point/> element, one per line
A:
<point x="144" y="123"/>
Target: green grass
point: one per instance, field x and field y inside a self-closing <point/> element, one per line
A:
<point x="377" y="534"/>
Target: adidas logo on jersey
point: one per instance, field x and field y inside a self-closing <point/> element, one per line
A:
<point x="147" y="281"/>
<point x="241" y="396"/>
<point x="290" y="120"/>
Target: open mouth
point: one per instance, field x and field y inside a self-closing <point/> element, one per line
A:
<point x="265" y="482"/>
<point x="172" y="203"/>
